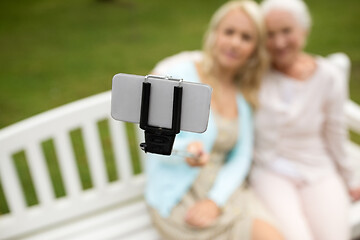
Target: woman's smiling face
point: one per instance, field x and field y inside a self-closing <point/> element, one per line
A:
<point x="236" y="40"/>
<point x="285" y="37"/>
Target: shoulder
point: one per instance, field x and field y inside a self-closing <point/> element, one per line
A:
<point x="177" y="61"/>
<point x="333" y="78"/>
<point x="338" y="62"/>
<point x="271" y="77"/>
<point x="331" y="73"/>
<point x="330" y="69"/>
<point x="244" y="106"/>
<point x="185" y="70"/>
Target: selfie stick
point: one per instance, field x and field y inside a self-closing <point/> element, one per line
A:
<point x="157" y="139"/>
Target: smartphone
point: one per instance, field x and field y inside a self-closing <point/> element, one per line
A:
<point x="126" y="97"/>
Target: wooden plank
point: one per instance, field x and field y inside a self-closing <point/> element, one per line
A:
<point x="87" y="227"/>
<point x="94" y="153"/>
<point x="67" y="164"/>
<point x="39" y="173"/>
<point x="148" y="234"/>
<point x="11" y="185"/>
<point x="127" y="222"/>
<point x="352" y="111"/>
<point x="121" y="149"/>
<point x="355" y="219"/>
<point x="121" y="228"/>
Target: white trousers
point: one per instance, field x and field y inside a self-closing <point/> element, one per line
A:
<point x="315" y="211"/>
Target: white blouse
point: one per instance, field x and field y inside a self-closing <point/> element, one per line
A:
<point x="300" y="126"/>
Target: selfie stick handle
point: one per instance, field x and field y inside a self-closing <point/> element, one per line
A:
<point x="157" y="139"/>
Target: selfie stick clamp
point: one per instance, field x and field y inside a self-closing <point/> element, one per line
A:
<point x="157" y="139"/>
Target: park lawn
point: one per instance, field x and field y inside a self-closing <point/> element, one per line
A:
<point x="55" y="52"/>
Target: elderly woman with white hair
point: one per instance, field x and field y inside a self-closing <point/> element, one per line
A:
<point x="301" y="171"/>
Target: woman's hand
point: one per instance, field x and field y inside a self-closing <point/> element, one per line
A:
<point x="202" y="214"/>
<point x="201" y="158"/>
<point x="355" y="194"/>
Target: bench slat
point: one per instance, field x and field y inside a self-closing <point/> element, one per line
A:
<point x="121" y="228"/>
<point x="121" y="149"/>
<point x="352" y="112"/>
<point x="66" y="161"/>
<point x="148" y="234"/>
<point x="94" y="154"/>
<point x="39" y="173"/>
<point x="355" y="219"/>
<point x="114" y="222"/>
<point x="11" y="185"/>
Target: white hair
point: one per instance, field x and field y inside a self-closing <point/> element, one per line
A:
<point x="297" y="7"/>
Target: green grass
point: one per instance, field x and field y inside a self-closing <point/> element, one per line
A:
<point x="54" y="52"/>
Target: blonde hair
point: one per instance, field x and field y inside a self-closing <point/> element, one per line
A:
<point x="248" y="77"/>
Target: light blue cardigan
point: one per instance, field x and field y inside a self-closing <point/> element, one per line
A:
<point x="170" y="177"/>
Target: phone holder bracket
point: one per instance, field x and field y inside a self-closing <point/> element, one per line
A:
<point x="157" y="139"/>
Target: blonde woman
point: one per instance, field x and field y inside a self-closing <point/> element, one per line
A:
<point x="301" y="171"/>
<point x="206" y="197"/>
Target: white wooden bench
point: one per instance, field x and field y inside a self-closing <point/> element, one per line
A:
<point x="107" y="210"/>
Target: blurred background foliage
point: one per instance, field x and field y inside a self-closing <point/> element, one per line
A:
<point x="54" y="52"/>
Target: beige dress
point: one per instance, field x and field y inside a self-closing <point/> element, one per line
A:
<point x="237" y="215"/>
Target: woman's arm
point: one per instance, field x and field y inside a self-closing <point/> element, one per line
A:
<point x="335" y="131"/>
<point x="238" y="164"/>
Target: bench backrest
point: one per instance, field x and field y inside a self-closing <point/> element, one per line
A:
<point x="28" y="137"/>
